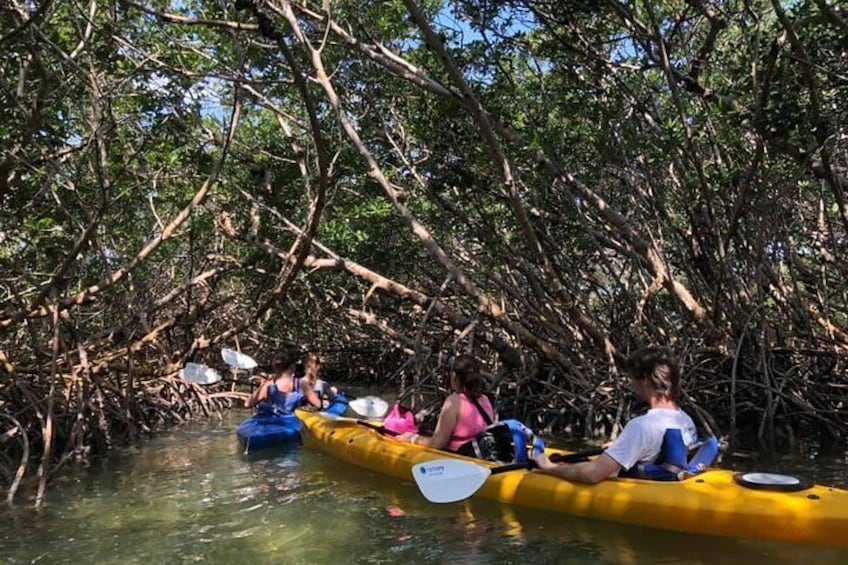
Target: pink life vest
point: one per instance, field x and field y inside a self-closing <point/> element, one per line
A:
<point x="470" y="422"/>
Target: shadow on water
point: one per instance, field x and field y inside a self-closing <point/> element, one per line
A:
<point x="191" y="496"/>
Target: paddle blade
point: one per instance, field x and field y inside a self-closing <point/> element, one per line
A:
<point x="199" y="374"/>
<point x="449" y="480"/>
<point x="370" y="406"/>
<point x="236" y="359"/>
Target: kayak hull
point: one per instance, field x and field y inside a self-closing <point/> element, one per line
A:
<point x="265" y="431"/>
<point x="711" y="503"/>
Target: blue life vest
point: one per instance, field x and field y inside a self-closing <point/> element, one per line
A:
<point x="281" y="403"/>
<point x="673" y="462"/>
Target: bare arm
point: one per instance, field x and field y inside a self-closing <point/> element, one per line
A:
<point x="258" y="395"/>
<point x="448" y="418"/>
<point x="309" y="394"/>
<point x="590" y="472"/>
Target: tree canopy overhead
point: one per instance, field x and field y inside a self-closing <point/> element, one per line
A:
<point x="549" y="184"/>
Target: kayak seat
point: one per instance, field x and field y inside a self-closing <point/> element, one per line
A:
<point x="338" y="406"/>
<point x="673" y="462"/>
<point x="504" y="441"/>
<point x="706" y="454"/>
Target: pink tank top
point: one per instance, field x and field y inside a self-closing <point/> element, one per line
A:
<point x="470" y="422"/>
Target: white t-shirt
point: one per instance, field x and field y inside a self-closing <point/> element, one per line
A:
<point x="641" y="439"/>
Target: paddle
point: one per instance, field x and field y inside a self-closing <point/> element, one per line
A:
<point x="199" y="374"/>
<point x="381" y="429"/>
<point x="364" y="423"/>
<point x="369" y="406"/>
<point x="237" y="359"/>
<point x="452" y="480"/>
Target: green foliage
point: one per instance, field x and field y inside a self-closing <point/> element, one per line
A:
<point x="627" y="141"/>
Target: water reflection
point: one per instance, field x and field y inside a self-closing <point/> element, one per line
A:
<point x="192" y="496"/>
<point x="486" y="531"/>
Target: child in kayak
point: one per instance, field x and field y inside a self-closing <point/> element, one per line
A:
<point x="460" y="419"/>
<point x="322" y="388"/>
<point x="282" y="392"/>
<point x="655" y="379"/>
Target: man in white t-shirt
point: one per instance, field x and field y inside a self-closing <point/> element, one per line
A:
<point x="655" y="378"/>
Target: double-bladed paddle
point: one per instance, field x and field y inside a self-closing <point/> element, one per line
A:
<point x="452" y="480"/>
<point x="364" y="423"/>
<point x="201" y="374"/>
<point x="368" y="406"/>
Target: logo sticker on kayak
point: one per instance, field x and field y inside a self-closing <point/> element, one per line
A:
<point x="434" y="470"/>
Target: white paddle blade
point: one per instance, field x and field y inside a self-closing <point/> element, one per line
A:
<point x="199" y="374"/>
<point x="370" y="406"/>
<point x="449" y="480"/>
<point x="236" y="359"/>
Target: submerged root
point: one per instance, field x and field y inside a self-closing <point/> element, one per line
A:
<point x="89" y="417"/>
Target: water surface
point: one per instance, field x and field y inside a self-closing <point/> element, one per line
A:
<point x="191" y="496"/>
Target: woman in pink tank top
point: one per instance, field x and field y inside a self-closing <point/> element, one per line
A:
<point x="459" y="420"/>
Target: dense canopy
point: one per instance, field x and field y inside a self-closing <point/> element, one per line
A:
<point x="545" y="184"/>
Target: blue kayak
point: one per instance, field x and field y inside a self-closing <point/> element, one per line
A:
<point x="267" y="429"/>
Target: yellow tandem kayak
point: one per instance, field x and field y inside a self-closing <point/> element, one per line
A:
<point x="709" y="503"/>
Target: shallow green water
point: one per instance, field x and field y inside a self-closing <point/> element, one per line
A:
<point x="191" y="497"/>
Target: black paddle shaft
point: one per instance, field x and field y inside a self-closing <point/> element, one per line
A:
<point x="382" y="430"/>
<point x="578" y="457"/>
<point x="556" y="457"/>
